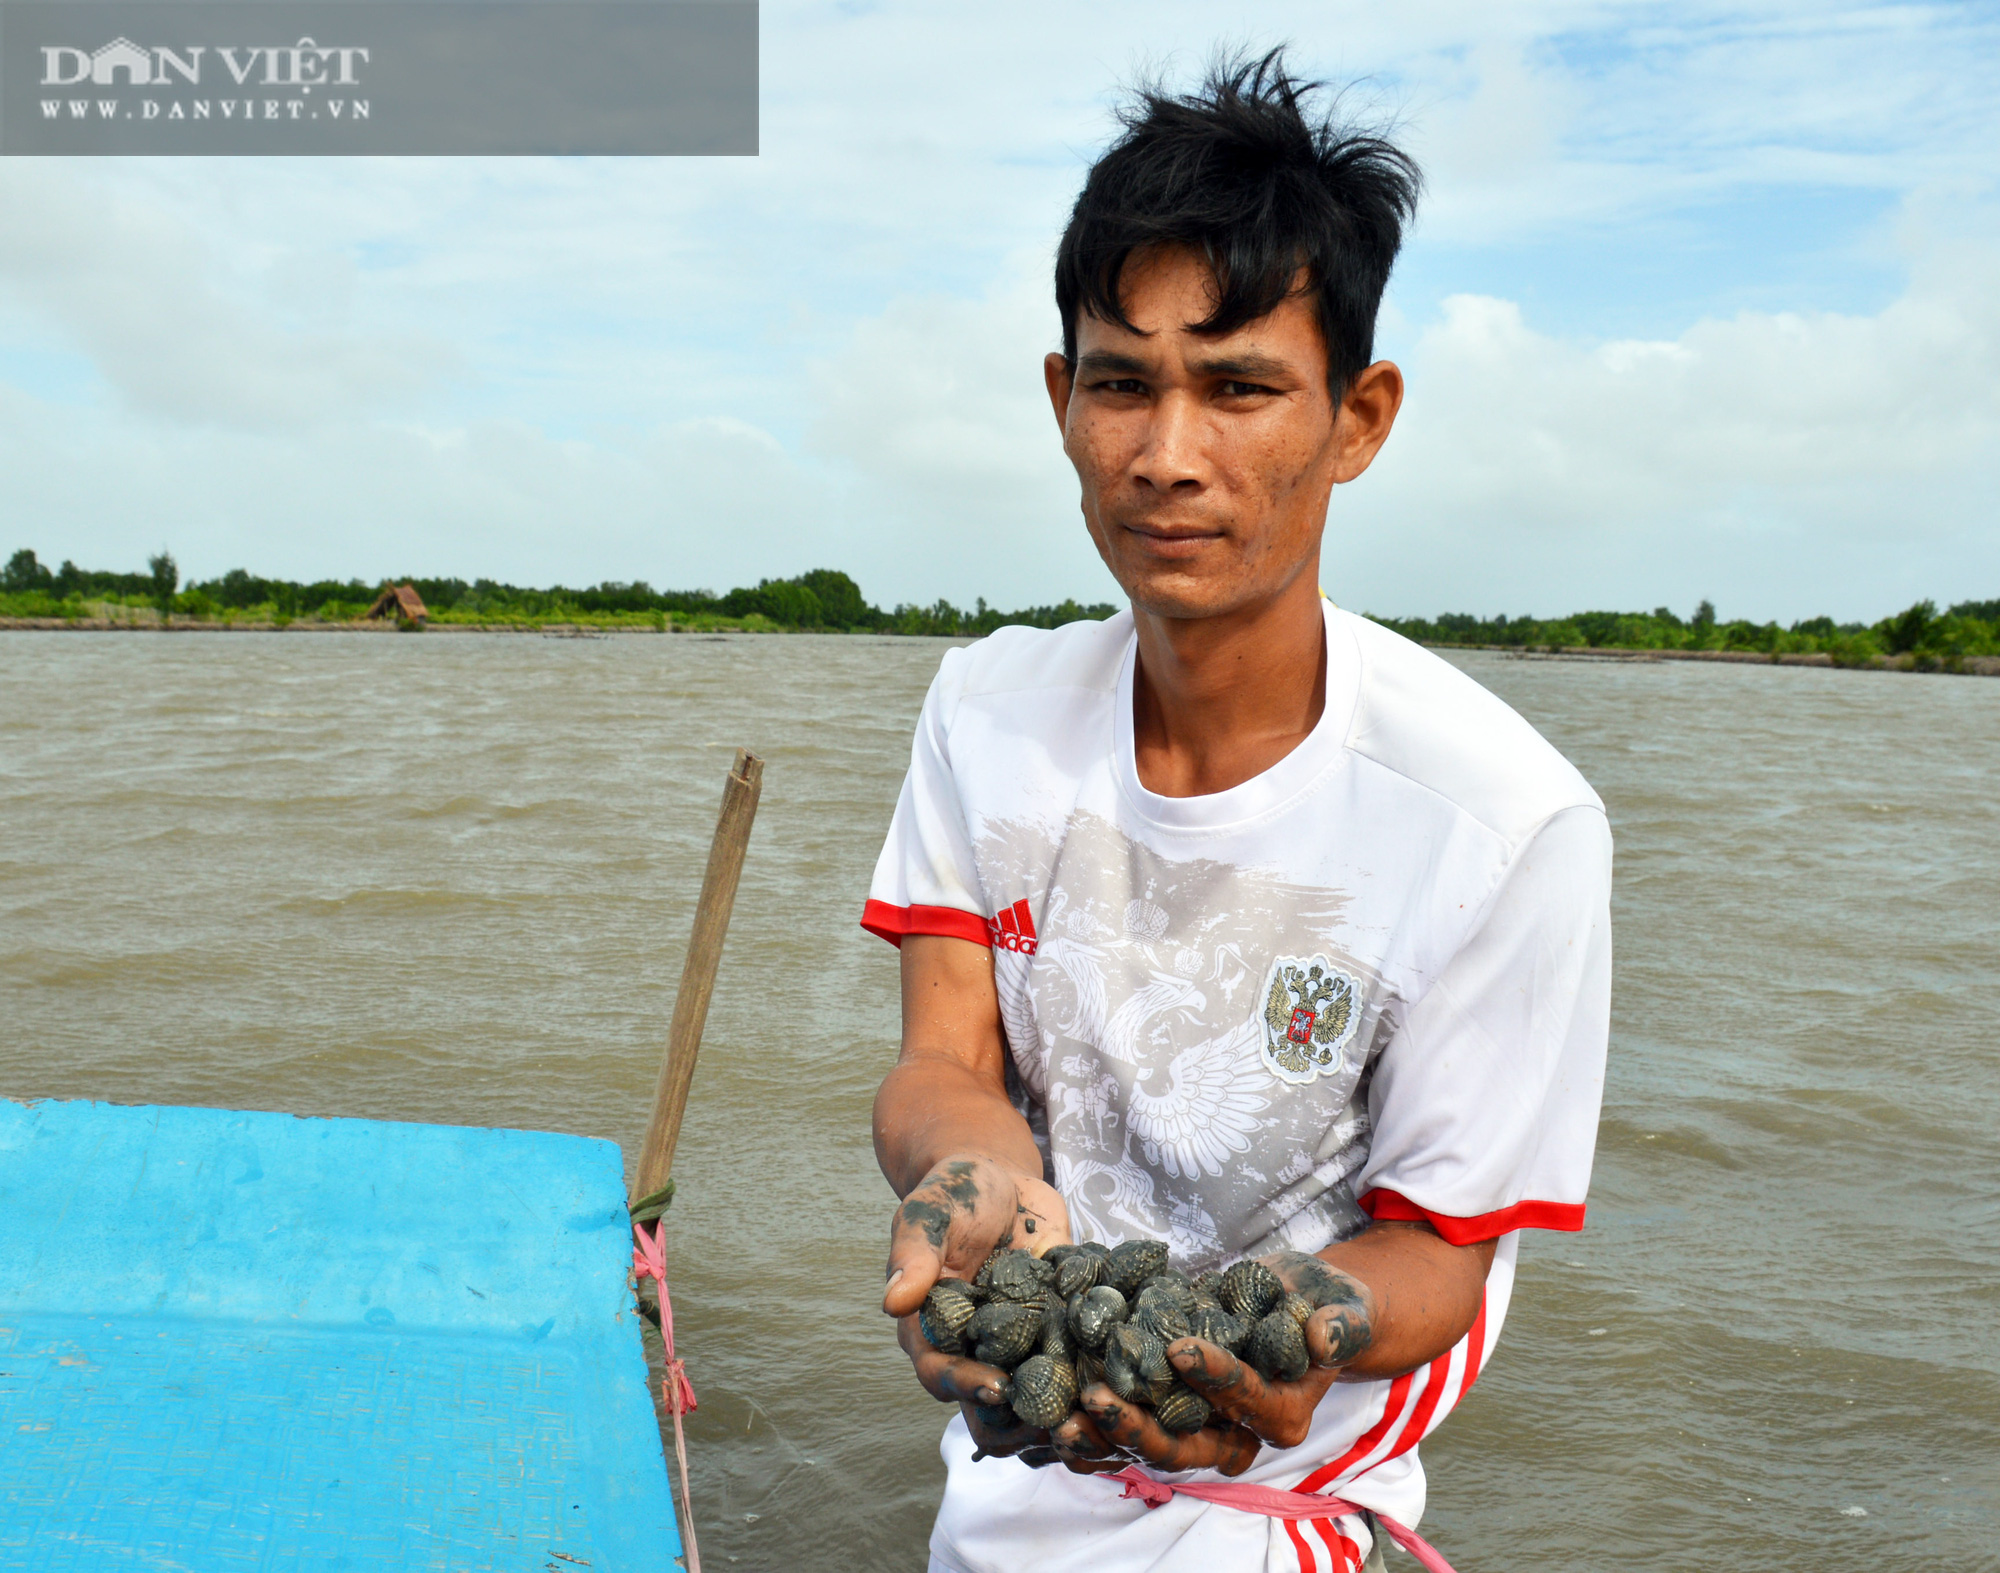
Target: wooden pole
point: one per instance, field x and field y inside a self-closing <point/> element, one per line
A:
<point x="704" y="955"/>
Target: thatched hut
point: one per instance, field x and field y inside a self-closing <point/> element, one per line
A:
<point x="401" y="602"/>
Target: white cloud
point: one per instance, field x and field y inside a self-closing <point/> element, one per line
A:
<point x="686" y="506"/>
<point x="172" y="328"/>
<point x="1811" y="461"/>
<point x="937" y="409"/>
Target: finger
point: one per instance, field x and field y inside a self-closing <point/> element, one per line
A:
<point x="916" y="1250"/>
<point x="1079" y="1439"/>
<point x="1279" y="1412"/>
<point x="998" y="1432"/>
<point x="1094" y="1466"/>
<point x="1336" y="1334"/>
<point x="1234" y="1390"/>
<point x="1135" y="1430"/>
<point x="1237" y="1449"/>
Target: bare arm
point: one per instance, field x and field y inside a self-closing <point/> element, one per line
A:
<point x="949" y="1142"/>
<point x="948" y="1093"/>
<point x="1425" y="1293"/>
<point x="967" y="1170"/>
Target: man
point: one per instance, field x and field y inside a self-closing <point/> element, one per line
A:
<point x="1235" y="920"/>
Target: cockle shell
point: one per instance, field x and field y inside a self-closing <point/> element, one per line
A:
<point x="1017" y="1276"/>
<point x="1045" y="1390"/>
<point x="1277" y="1347"/>
<point x="1135" y="1365"/>
<point x="1133" y="1263"/>
<point x="1162" y="1314"/>
<point x="1055" y="1326"/>
<point x="1094" y="1313"/>
<point x="1077" y="1272"/>
<point x="1182" y="1409"/>
<point x="1173" y="1284"/>
<point x="1250" y="1290"/>
<point x="1121" y="1361"/>
<point x="1003" y="1333"/>
<point x="939" y="1337"/>
<point x="947" y="1308"/>
<point x="1155" y="1370"/>
<point x="1218" y="1327"/>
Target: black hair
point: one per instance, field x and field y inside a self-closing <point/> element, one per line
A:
<point x="1254" y="175"/>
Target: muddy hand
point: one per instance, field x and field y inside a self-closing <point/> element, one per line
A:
<point x="1280" y="1413"/>
<point x="956" y="1216"/>
<point x="980" y="1391"/>
<point x="1083" y="1449"/>
<point x="1342" y="1326"/>
<point x="1228" y="1449"/>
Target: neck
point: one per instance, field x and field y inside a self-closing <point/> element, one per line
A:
<point x="1218" y="700"/>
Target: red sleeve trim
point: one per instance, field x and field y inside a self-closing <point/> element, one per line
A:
<point x="1566" y="1216"/>
<point x="893" y="923"/>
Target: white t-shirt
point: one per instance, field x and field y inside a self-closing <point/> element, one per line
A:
<point x="1372" y="981"/>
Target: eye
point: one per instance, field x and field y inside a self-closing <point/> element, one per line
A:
<point x="1245" y="390"/>
<point x="1130" y="385"/>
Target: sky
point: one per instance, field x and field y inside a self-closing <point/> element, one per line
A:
<point x="1703" y="301"/>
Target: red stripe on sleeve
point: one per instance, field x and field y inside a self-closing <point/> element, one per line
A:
<point x="895" y="924"/>
<point x="1308" y="1563"/>
<point x="1567" y="1216"/>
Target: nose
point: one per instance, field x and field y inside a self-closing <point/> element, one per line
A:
<point x="1169" y="460"/>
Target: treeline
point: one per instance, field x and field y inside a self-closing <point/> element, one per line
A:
<point x="1932" y="638"/>
<point x="824" y="600"/>
<point x="828" y="600"/>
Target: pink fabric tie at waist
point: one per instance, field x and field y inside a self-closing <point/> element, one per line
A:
<point x="1273" y="1503"/>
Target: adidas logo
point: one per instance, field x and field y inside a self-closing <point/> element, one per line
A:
<point x="1013" y="929"/>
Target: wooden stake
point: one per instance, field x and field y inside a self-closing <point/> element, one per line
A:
<point x="704" y="955"/>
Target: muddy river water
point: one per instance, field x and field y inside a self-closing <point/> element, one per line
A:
<point x="448" y="878"/>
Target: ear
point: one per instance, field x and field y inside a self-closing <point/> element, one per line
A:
<point x="1061" y="383"/>
<point x="1367" y="412"/>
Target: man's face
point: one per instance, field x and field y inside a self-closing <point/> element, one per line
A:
<point x="1206" y="460"/>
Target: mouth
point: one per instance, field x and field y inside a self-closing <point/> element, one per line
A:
<point x="1170" y="541"/>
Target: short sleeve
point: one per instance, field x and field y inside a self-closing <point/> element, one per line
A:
<point x="926" y="881"/>
<point x="1484" y="1103"/>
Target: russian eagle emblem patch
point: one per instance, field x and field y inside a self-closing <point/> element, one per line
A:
<point x="1311" y="1010"/>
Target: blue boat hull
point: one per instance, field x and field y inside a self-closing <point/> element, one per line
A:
<point x="252" y="1340"/>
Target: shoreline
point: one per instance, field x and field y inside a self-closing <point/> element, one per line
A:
<point x="189" y="625"/>
<point x="1967" y="666"/>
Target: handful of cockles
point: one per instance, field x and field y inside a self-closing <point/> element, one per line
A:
<point x="1083" y="1314"/>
